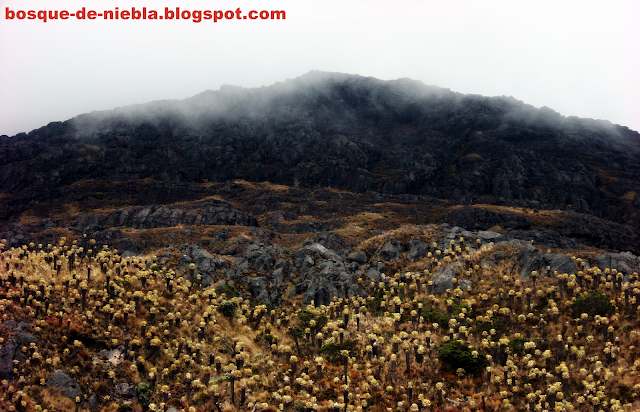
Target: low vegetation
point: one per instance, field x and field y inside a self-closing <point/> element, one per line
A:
<point x="562" y="343"/>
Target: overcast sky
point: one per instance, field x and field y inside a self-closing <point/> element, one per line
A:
<point x="577" y="57"/>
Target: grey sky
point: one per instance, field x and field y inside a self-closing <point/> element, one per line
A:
<point x="577" y="57"/>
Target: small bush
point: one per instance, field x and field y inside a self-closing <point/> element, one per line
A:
<point x="305" y="316"/>
<point x="332" y="350"/>
<point x="517" y="345"/>
<point x="436" y="316"/>
<point x="144" y="394"/>
<point x="456" y="354"/>
<point x="230" y="291"/>
<point x="487" y="326"/>
<point x="374" y="306"/>
<point x="321" y="321"/>
<point x="227" y="308"/>
<point x="595" y="303"/>
<point x="271" y="339"/>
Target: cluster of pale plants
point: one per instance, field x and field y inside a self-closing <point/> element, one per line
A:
<point x="502" y="344"/>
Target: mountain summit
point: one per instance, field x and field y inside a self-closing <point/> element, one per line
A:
<point x="398" y="139"/>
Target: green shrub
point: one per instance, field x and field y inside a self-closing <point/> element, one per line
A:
<point x="271" y="339"/>
<point x="332" y="350"/>
<point x="517" y="345"/>
<point x="595" y="303"/>
<point x="144" y="394"/>
<point x="456" y="354"/>
<point x="374" y="306"/>
<point x="297" y="332"/>
<point x="432" y="315"/>
<point x="321" y="321"/>
<point x="487" y="326"/>
<point x="230" y="291"/>
<point x="305" y="316"/>
<point x="227" y="308"/>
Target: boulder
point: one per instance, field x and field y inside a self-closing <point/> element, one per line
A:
<point x="358" y="257"/>
<point x="67" y="386"/>
<point x="488" y="237"/>
<point x="443" y="277"/>
<point x="323" y="274"/>
<point x="625" y="262"/>
<point x="392" y="250"/>
<point x="207" y="265"/>
<point x="10" y="350"/>
<point x="529" y="259"/>
<point x="417" y="250"/>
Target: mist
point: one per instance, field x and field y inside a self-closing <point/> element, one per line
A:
<point x="576" y="58"/>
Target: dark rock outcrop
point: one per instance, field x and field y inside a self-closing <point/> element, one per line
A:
<point x="625" y="263"/>
<point x="323" y="274"/>
<point x="67" y="386"/>
<point x="392" y="250"/>
<point x="443" y="278"/>
<point x="161" y="216"/>
<point x="417" y="250"/>
<point x="357" y="134"/>
<point x="15" y="234"/>
<point x="206" y="264"/>
<point x="10" y="350"/>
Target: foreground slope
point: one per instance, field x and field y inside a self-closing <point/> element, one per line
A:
<point x="85" y="329"/>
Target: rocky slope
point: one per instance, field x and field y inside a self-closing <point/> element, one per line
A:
<point x="334" y="148"/>
<point x="315" y="190"/>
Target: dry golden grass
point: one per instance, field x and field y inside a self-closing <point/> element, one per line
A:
<point x="401" y="234"/>
<point x="629" y="196"/>
<point x="52" y="400"/>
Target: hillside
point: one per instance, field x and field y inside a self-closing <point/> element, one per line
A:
<point x="415" y="143"/>
<point x="333" y="242"/>
<point x="86" y="329"/>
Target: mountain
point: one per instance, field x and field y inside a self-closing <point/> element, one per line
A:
<point x="268" y="249"/>
<point x="465" y="159"/>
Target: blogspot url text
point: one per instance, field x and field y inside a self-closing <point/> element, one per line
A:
<point x="143" y="13"/>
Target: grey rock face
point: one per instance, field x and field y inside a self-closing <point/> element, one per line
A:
<point x="10" y="350"/>
<point x="392" y="250"/>
<point x="373" y="274"/>
<point x="358" y="257"/>
<point x="15" y="234"/>
<point x="326" y="277"/>
<point x="207" y="265"/>
<point x="259" y="288"/>
<point x="626" y="262"/>
<point x="153" y="216"/>
<point x="488" y="237"/>
<point x="531" y="259"/>
<point x="332" y="240"/>
<point x="417" y="250"/>
<point x="443" y="277"/>
<point x="261" y="256"/>
<point x="7" y="355"/>
<point x="66" y="385"/>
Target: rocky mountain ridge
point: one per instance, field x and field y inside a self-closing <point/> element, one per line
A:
<point x="325" y="154"/>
